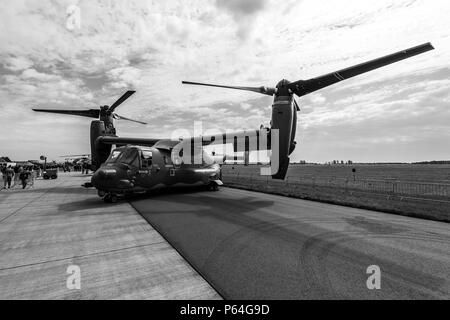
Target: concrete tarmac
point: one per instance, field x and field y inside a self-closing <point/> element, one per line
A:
<point x="58" y="223"/>
<point x="250" y="245"/>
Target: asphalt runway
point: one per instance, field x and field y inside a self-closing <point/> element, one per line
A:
<point x="251" y="245"/>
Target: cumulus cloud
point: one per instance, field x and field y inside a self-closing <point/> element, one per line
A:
<point x="150" y="46"/>
<point x="17" y="63"/>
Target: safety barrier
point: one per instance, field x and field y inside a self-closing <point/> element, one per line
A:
<point x="395" y="187"/>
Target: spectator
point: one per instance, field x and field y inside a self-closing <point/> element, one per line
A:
<point x="3" y="169"/>
<point x="31" y="177"/>
<point x="23" y="176"/>
<point x="9" y="176"/>
<point x="86" y="167"/>
<point x="17" y="170"/>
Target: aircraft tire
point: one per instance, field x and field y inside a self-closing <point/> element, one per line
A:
<point x="107" y="198"/>
<point x="113" y="198"/>
<point x="213" y="186"/>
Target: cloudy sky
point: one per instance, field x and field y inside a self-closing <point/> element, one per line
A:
<point x="397" y="113"/>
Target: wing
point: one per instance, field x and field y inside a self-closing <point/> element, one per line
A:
<point x="247" y="140"/>
<point x="125" y="141"/>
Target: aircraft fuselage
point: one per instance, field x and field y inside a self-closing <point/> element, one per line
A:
<point x="132" y="169"/>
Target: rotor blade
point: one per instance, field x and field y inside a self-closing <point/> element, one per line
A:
<point x="118" y="117"/>
<point x="119" y="101"/>
<point x="91" y="113"/>
<point x="303" y="87"/>
<point x="263" y="90"/>
<point x="76" y="155"/>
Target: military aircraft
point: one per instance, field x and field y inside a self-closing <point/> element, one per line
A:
<point x="142" y="164"/>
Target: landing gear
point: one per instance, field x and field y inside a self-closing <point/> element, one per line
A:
<point x="212" y="186"/>
<point x="110" y="198"/>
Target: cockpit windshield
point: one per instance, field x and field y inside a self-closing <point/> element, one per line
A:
<point x="126" y="156"/>
<point x="130" y="157"/>
<point x="114" y="156"/>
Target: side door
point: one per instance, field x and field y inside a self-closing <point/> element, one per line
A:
<point x="145" y="175"/>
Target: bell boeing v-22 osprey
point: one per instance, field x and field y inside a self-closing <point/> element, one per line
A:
<point x="141" y="164"/>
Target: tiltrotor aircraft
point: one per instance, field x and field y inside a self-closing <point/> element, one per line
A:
<point x="142" y="164"/>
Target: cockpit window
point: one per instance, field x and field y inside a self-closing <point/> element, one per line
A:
<point x="113" y="156"/>
<point x="130" y="157"/>
<point x="146" y="158"/>
<point x="147" y="154"/>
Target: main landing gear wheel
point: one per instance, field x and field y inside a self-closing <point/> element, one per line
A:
<point x="213" y="186"/>
<point x="110" y="198"/>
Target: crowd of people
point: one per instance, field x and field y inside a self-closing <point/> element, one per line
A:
<point x="82" y="167"/>
<point x="13" y="174"/>
<point x="24" y="176"/>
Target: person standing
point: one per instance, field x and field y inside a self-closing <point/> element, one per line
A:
<point x="17" y="169"/>
<point x="31" y="177"/>
<point x="86" y="167"/>
<point x="4" y="176"/>
<point x="23" y="176"/>
<point x="9" y="176"/>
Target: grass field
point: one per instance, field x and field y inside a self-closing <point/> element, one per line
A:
<point x="414" y="190"/>
<point x="429" y="173"/>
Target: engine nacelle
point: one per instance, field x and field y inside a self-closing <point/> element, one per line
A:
<point x="284" y="119"/>
<point x="99" y="151"/>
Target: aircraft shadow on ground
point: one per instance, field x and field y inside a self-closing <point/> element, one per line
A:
<point x="93" y="201"/>
<point x="89" y="203"/>
<point x="250" y="221"/>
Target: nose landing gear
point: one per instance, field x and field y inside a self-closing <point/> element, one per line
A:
<point x="110" y="198"/>
<point x="213" y="186"/>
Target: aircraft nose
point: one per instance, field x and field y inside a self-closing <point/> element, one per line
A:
<point x="101" y="176"/>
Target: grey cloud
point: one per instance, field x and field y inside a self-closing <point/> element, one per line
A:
<point x="95" y="82"/>
<point x="243" y="13"/>
<point x="239" y="7"/>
